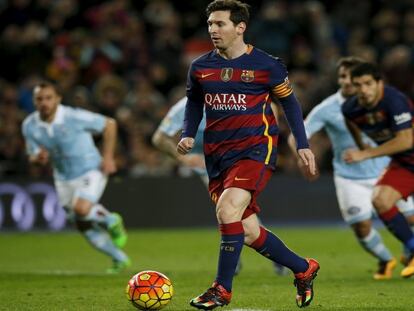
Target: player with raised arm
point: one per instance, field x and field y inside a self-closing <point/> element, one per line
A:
<point x="236" y="83"/>
<point x="353" y="182"/>
<point x="63" y="136"/>
<point x="386" y="116"/>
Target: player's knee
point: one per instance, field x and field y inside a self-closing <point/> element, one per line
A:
<point x="82" y="208"/>
<point x="381" y="203"/>
<point x="227" y="212"/>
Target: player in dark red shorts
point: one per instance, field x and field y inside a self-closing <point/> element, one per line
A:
<point x="386" y="116"/>
<point x="235" y="84"/>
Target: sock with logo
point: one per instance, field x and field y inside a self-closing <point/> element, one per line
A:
<point x="232" y="240"/>
<point x="270" y="246"/>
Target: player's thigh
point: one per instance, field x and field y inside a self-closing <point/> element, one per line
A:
<point x="354" y="198"/>
<point x="90" y="186"/>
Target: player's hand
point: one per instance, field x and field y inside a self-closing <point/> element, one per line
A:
<point x="308" y="159"/>
<point x="354" y="155"/>
<point x="305" y="171"/>
<point x="193" y="161"/>
<point x="185" y="145"/>
<point x="108" y="165"/>
<point x="42" y="157"/>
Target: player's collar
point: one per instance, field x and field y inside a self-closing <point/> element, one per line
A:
<point x="58" y="119"/>
<point x="340" y="96"/>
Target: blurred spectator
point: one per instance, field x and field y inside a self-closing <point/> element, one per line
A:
<point x="128" y="59"/>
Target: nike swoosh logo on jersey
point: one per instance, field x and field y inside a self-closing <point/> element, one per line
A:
<point x="239" y="179"/>
<point x="206" y="75"/>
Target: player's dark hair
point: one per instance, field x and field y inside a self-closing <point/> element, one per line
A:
<point x="239" y="11"/>
<point x="47" y="84"/>
<point x="348" y="62"/>
<point x="366" y="68"/>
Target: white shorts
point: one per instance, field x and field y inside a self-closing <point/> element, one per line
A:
<point x="354" y="199"/>
<point x="89" y="186"/>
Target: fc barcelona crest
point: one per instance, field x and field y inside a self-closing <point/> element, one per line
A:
<point x="247" y="75"/>
<point x="226" y="74"/>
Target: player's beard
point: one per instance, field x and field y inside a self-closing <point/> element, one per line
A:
<point x="47" y="113"/>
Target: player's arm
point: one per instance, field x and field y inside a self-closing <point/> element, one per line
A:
<point x="109" y="136"/>
<point x="168" y="145"/>
<point x="402" y="141"/>
<point x="37" y="154"/>
<point x="293" y="113"/>
<point x="356" y="134"/>
<point x="193" y="113"/>
<point x="315" y="122"/>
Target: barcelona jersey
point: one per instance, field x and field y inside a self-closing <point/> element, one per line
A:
<point x="394" y="112"/>
<point x="237" y="95"/>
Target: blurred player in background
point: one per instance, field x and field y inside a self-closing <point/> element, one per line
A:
<point x="63" y="136"/>
<point x="353" y="182"/>
<point x="236" y="83"/>
<point x="165" y="139"/>
<point x="167" y="134"/>
<point x="386" y="116"/>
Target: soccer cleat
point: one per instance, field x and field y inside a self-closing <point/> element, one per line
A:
<point x="409" y="268"/>
<point x="119" y="266"/>
<point x="304" y="284"/>
<point x="117" y="231"/>
<point x="215" y="296"/>
<point x="385" y="269"/>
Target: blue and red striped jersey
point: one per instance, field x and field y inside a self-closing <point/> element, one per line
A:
<point x="236" y="95"/>
<point x="394" y="112"/>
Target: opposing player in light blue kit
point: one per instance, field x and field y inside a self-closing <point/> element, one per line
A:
<point x="63" y="136"/>
<point x="166" y="136"/>
<point x="354" y="182"/>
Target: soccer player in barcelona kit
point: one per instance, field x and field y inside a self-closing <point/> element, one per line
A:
<point x="236" y="83"/>
<point x="386" y="116"/>
<point x="63" y="136"/>
<point x="354" y="182"/>
<point x="165" y="139"/>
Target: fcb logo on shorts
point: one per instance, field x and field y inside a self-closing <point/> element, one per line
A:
<point x="247" y="75"/>
<point x="226" y="74"/>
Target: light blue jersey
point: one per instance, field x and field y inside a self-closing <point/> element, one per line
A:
<point x="68" y="139"/>
<point x="328" y="115"/>
<point x="173" y="122"/>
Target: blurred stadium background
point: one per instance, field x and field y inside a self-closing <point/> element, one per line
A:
<point x="129" y="59"/>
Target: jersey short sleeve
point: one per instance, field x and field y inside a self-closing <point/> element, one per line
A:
<point x="401" y="117"/>
<point x="32" y="147"/>
<point x="315" y="121"/>
<point x="90" y="121"/>
<point x="173" y="121"/>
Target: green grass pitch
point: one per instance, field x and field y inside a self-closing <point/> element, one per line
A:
<point x="59" y="271"/>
